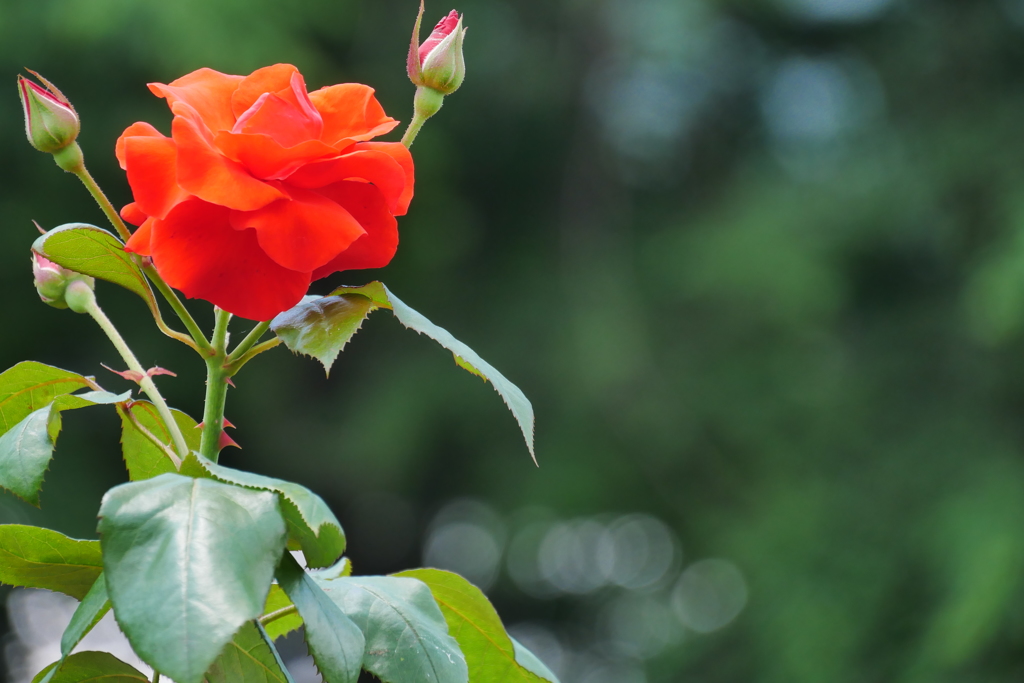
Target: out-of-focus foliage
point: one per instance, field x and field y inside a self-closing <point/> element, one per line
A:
<point x="758" y="264"/>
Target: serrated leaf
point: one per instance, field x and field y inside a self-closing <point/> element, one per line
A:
<point x="188" y="562"/>
<point x="490" y="653"/>
<point x="34" y="557"/>
<point x="141" y="456"/>
<point x="250" y="657"/>
<point x="96" y="252"/>
<point x="311" y="524"/>
<point x="277" y="600"/>
<point x="27" y="448"/>
<point x="407" y="638"/>
<point x="91" y="667"/>
<point x="321" y="326"/>
<point x="90" y="610"/>
<point x="335" y="642"/>
<point x="28" y="386"/>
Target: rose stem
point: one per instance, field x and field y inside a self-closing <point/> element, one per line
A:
<point x="217" y="376"/>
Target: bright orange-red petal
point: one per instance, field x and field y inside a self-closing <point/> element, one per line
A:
<point x="376" y="248"/>
<point x="140" y="128"/>
<point x="206" y="173"/>
<point x="140" y="241"/>
<point x="131" y="213"/>
<point x="350" y="112"/>
<point x="207" y="91"/>
<point x="301" y="233"/>
<point x="369" y="165"/>
<point x="151" y="163"/>
<point x="280" y="119"/>
<point x="400" y="153"/>
<point x="196" y="250"/>
<point x="268" y="79"/>
<point x="265" y="158"/>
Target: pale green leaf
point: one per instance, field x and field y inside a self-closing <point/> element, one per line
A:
<point x="277" y="600"/>
<point x="142" y="457"/>
<point x="34" y="557"/>
<point x="91" y="667"/>
<point x="250" y="657"/>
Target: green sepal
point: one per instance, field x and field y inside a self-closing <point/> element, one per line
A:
<point x="250" y="657"/>
<point x="141" y="456"/>
<point x="311" y="524"/>
<point x="492" y="655"/>
<point x="33" y="557"/>
<point x="321" y="326"/>
<point x="187" y="562"/>
<point x="90" y="667"/>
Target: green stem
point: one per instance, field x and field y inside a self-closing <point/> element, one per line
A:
<point x="156" y="676"/>
<point x="217" y="375"/>
<point x="247" y="343"/>
<point x="413" y="130"/>
<point x="179" y="308"/>
<point x="237" y="363"/>
<point x="277" y="614"/>
<point x="108" y="209"/>
<point x="81" y="298"/>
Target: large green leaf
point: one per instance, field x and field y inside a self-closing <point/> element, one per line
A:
<point x="91" y="667"/>
<point x="142" y="457"/>
<point x="250" y="657"/>
<point x="187" y="561"/>
<point x="490" y="653"/>
<point x="311" y="524"/>
<point x="34" y="557"/>
<point x="27" y="448"/>
<point x="407" y="638"/>
<point x="321" y="326"/>
<point x="93" y="251"/>
<point x="335" y="642"/>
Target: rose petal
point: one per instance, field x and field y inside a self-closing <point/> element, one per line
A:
<point x="350" y="112"/>
<point x="140" y="128"/>
<point x="278" y="118"/>
<point x="196" y="250"/>
<point x="141" y="240"/>
<point x="268" y="79"/>
<point x="265" y="158"/>
<point x="152" y="173"/>
<point x="207" y="91"/>
<point x="401" y="154"/>
<point x="372" y="166"/>
<point x="376" y="248"/>
<point x="131" y="213"/>
<point x="301" y="233"/>
<point x="208" y="174"/>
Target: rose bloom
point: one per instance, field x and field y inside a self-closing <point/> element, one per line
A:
<point x="263" y="188"/>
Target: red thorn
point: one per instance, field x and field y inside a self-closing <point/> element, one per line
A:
<point x="157" y="370"/>
<point x="227" y="423"/>
<point x="200" y="425"/>
<point x="129" y="375"/>
<point x="226" y="441"/>
<point x="230" y="382"/>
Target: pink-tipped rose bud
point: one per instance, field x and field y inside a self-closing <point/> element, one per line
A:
<point x="51" y="123"/>
<point x="52" y="281"/>
<point x="438" y="63"/>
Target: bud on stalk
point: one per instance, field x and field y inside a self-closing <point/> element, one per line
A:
<point x="51" y="123"/>
<point x="436" y="67"/>
<point x="52" y="281"/>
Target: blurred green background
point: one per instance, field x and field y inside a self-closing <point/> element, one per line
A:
<point x="759" y="264"/>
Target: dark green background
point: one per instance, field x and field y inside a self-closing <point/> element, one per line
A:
<point x="760" y="269"/>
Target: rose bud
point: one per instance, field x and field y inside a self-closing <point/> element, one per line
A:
<point x="51" y="123"/>
<point x="52" y="281"/>
<point x="438" y="63"/>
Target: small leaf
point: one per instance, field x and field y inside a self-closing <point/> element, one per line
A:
<point x="88" y="613"/>
<point x="335" y="642"/>
<point x="27" y="448"/>
<point x="34" y="557"/>
<point x="250" y="657"/>
<point x="143" y="459"/>
<point x="93" y="251"/>
<point x="321" y="326"/>
<point x="311" y="524"/>
<point x="490" y="653"/>
<point x="407" y="637"/>
<point x="91" y="667"/>
<point x="188" y="562"/>
<point x="277" y="599"/>
<point x="29" y="386"/>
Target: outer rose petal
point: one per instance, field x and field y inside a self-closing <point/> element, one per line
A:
<point x="133" y="214"/>
<point x="401" y="154"/>
<point x="207" y="91"/>
<point x="376" y="248"/>
<point x="268" y="79"/>
<point x="196" y="250"/>
<point x="350" y="112"/>
<point x="151" y="163"/>
<point x="374" y="167"/>
<point x="265" y="157"/>
<point x="140" y="128"/>
<point x="140" y="241"/>
<point x="204" y="172"/>
<point x="301" y="233"/>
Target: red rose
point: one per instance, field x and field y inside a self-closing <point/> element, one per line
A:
<point x="263" y="188"/>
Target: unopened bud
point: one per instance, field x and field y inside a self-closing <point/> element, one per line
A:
<point x="51" y="123"/>
<point x="52" y="281"/>
<point x="438" y="63"/>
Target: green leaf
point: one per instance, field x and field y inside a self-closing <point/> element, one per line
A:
<point x="28" y="386"/>
<point x="27" y="448"/>
<point x="34" y="557"/>
<point x="321" y="326"/>
<point x="490" y="653"/>
<point x="143" y="459"/>
<point x="250" y="657"/>
<point x="311" y="524"/>
<point x="277" y="599"/>
<point x="91" y="667"/>
<point x="187" y="561"/>
<point x="93" y="251"/>
<point x="88" y="613"/>
<point x="335" y="642"/>
<point x="407" y="637"/>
